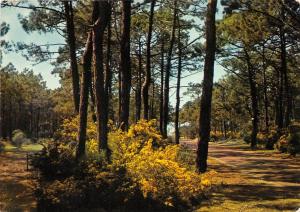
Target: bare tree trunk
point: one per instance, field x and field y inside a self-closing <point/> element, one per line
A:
<point x="161" y="102"/>
<point x="125" y="66"/>
<point x="84" y="96"/>
<point x="72" y="51"/>
<point x="146" y="85"/>
<point x="151" y="111"/>
<point x="279" y="100"/>
<point x="138" y="100"/>
<point x="266" y="100"/>
<point x="100" y="88"/>
<point x="108" y="72"/>
<point x="94" y="117"/>
<point x="167" y="76"/>
<point x="177" y="132"/>
<point x="283" y="69"/>
<point x="254" y="103"/>
<point x="205" y="104"/>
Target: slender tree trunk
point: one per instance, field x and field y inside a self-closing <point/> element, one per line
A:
<point x="225" y="129"/>
<point x="72" y="51"/>
<point x="283" y="69"/>
<point x="177" y="107"/>
<point x="161" y="100"/>
<point x="146" y="85"/>
<point x="205" y="105"/>
<point x="254" y="101"/>
<point x="94" y="117"/>
<point x="125" y="66"/>
<point x="100" y="88"/>
<point x="167" y="76"/>
<point x="266" y="100"/>
<point x="108" y="72"/>
<point x="151" y="111"/>
<point x="84" y="96"/>
<point x="279" y="102"/>
<point x="138" y="104"/>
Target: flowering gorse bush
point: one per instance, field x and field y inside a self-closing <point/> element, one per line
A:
<point x="153" y="165"/>
<point x="143" y="168"/>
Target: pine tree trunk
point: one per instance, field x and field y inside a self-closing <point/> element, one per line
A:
<point x="146" y="85"/>
<point x="283" y="69"/>
<point x="266" y="100"/>
<point x="125" y="66"/>
<point x="161" y="100"/>
<point x="205" y="104"/>
<point x="100" y="88"/>
<point x="72" y="51"/>
<point x="167" y="76"/>
<point x="254" y="101"/>
<point x="177" y="107"/>
<point x="138" y="100"/>
<point x="84" y="96"/>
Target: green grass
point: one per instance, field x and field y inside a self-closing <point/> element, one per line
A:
<point x="24" y="148"/>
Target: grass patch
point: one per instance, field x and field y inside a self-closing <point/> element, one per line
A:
<point x="24" y="148"/>
<point x="32" y="147"/>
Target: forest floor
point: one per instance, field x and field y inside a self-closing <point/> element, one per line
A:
<point x="249" y="180"/>
<point x="246" y="180"/>
<point x="16" y="183"/>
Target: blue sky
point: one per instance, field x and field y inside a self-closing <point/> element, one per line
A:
<point x="16" y="34"/>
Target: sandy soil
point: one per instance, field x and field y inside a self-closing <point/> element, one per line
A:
<point x="252" y="180"/>
<point x="16" y="184"/>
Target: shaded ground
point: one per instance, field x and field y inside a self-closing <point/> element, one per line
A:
<point x="253" y="180"/>
<point x="15" y="183"/>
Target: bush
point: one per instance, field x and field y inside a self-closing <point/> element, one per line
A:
<point x="92" y="187"/>
<point x="69" y="130"/>
<point x="218" y="135"/>
<point x="268" y="139"/>
<point x="2" y="146"/>
<point x="289" y="143"/>
<point x="153" y="165"/>
<point x="54" y="161"/>
<point x="19" y="138"/>
<point x="145" y="172"/>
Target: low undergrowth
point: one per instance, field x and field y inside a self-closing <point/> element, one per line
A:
<point x="145" y="173"/>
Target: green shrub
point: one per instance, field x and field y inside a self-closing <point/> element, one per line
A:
<point x="19" y="138"/>
<point x="289" y="143"/>
<point x="2" y="146"/>
<point x="54" y="161"/>
<point x="247" y="138"/>
<point x="268" y="139"/>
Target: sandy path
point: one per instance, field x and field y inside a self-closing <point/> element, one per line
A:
<point x="15" y="183"/>
<point x="253" y="180"/>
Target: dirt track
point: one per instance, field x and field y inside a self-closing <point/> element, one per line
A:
<point x="15" y="183"/>
<point x="253" y="180"/>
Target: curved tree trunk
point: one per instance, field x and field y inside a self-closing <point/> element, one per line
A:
<point x="205" y="104"/>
